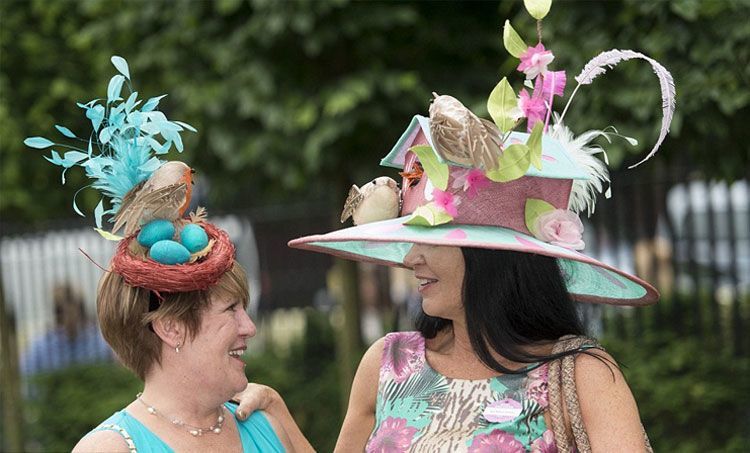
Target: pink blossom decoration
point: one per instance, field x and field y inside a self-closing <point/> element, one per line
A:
<point x="470" y="180"/>
<point x="496" y="441"/>
<point x="545" y="444"/>
<point x="535" y="60"/>
<point x="533" y="108"/>
<point x="560" y="227"/>
<point x="403" y="354"/>
<point x="553" y="83"/>
<point x="536" y="389"/>
<point x="446" y="201"/>
<point x="392" y="436"/>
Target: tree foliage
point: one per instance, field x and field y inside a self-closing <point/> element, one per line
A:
<point x="299" y="99"/>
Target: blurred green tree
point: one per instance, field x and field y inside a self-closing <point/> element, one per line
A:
<point x="299" y="99"/>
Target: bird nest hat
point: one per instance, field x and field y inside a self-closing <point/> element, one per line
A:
<point x="162" y="249"/>
<point x="470" y="182"/>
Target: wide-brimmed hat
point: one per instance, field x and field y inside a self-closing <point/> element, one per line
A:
<point x="470" y="182"/>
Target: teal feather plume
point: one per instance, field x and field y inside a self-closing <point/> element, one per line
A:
<point x="123" y="149"/>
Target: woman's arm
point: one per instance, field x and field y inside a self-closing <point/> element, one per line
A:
<point x="608" y="408"/>
<point x="261" y="397"/>
<point x="360" y="416"/>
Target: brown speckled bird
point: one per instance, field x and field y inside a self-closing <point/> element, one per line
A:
<point x="460" y="136"/>
<point x="165" y="195"/>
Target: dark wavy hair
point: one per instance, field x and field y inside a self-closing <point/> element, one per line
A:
<point x="512" y="300"/>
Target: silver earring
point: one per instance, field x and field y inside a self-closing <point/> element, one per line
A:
<point x="177" y="348"/>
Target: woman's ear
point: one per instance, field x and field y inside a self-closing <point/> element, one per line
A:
<point x="172" y="333"/>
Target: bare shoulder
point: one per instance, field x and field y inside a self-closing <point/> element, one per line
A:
<point x="597" y="368"/>
<point x="608" y="408"/>
<point x="101" y="441"/>
<point x="373" y="356"/>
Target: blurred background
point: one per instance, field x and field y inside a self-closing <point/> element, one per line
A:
<point x="294" y="101"/>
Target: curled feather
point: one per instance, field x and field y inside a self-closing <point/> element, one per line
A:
<point x="602" y="62"/>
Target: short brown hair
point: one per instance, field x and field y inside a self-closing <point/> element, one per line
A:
<point x="126" y="313"/>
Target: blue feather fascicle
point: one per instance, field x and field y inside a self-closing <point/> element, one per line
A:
<point x="123" y="149"/>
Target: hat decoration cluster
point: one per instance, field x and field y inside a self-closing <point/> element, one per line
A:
<point x="463" y="155"/>
<point x="141" y="193"/>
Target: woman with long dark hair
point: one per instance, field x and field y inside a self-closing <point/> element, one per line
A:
<point x="488" y="220"/>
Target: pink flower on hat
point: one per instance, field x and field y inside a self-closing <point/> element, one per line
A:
<point x="535" y="60"/>
<point x="470" y="180"/>
<point x="446" y="201"/>
<point x="533" y="108"/>
<point x="553" y="83"/>
<point x="560" y="227"/>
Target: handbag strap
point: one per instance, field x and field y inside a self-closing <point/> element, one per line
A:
<point x="562" y="384"/>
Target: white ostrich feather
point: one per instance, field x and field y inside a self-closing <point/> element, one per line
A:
<point x="605" y="60"/>
<point x="583" y="192"/>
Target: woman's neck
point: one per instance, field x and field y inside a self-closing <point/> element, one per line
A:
<point x="454" y="342"/>
<point x="176" y="399"/>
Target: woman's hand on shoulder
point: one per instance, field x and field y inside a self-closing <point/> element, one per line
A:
<point x="102" y="441"/>
<point x="360" y="415"/>
<point x="608" y="408"/>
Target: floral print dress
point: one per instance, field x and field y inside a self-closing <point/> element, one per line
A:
<point x="419" y="409"/>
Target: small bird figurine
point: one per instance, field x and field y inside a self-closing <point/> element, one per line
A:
<point x="165" y="195"/>
<point x="462" y="137"/>
<point x="379" y="199"/>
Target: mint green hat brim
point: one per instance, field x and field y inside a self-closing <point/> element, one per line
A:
<point x="388" y="241"/>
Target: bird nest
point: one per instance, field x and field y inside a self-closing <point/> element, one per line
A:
<point x="143" y="272"/>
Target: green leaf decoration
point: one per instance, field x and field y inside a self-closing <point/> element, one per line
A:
<point x="514" y="163"/>
<point x="38" y="142"/>
<point x="512" y="41"/>
<point x="535" y="208"/>
<point x="429" y="215"/>
<point x="535" y="145"/>
<point x="437" y="171"/>
<point x="501" y="102"/>
<point x="107" y="235"/>
<point x="537" y="8"/>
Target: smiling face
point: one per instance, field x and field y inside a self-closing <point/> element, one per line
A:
<point x="440" y="272"/>
<point x="214" y="355"/>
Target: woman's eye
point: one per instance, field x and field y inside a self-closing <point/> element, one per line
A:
<point x="233" y="307"/>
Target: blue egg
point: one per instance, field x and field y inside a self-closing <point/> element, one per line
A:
<point x="194" y="237"/>
<point x="169" y="252"/>
<point x="155" y="231"/>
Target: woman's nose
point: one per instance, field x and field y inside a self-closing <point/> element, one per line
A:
<point x="415" y="256"/>
<point x="247" y="326"/>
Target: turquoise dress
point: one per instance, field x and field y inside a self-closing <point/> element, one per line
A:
<point x="256" y="433"/>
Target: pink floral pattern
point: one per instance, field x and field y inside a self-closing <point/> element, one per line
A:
<point x="545" y="444"/>
<point x="402" y="355"/>
<point x="536" y="390"/>
<point x="497" y="441"/>
<point x="393" y="436"/>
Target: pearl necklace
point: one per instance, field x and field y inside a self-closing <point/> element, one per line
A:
<point x="194" y="430"/>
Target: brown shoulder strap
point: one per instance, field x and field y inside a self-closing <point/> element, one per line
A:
<point x="561" y="385"/>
